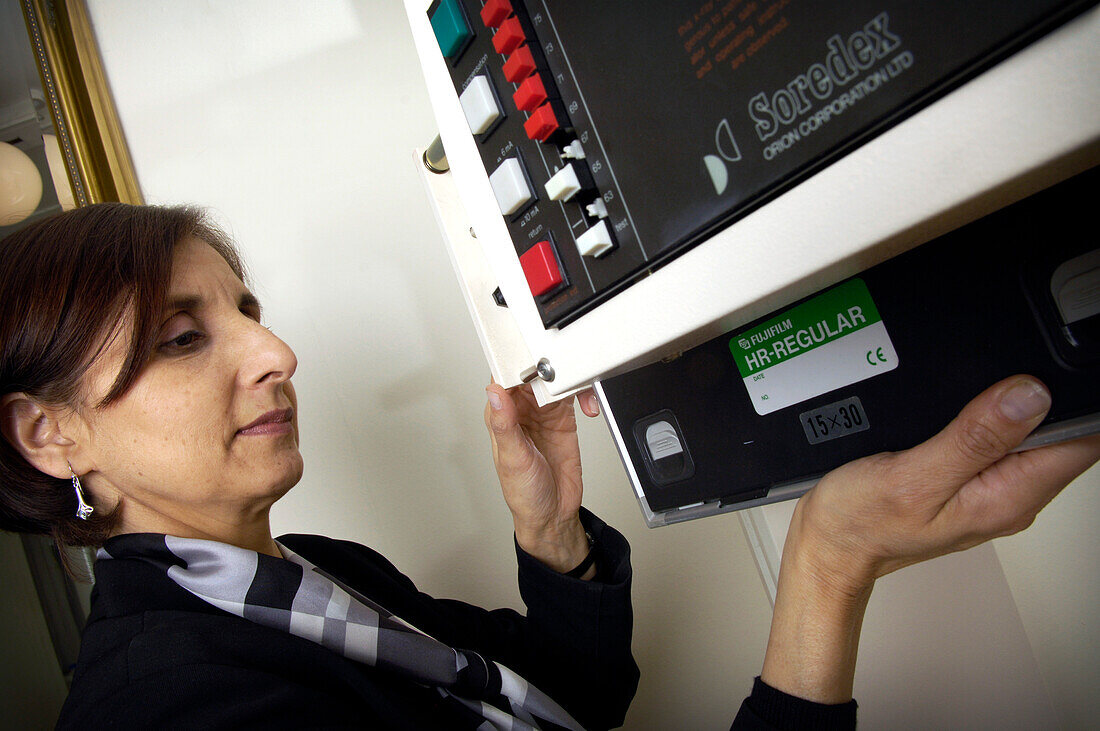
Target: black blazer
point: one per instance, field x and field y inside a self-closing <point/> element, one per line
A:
<point x="154" y="655"/>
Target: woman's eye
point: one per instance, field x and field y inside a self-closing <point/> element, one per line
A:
<point x="183" y="341"/>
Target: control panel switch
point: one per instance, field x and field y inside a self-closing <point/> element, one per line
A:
<point x="509" y="36"/>
<point x="479" y="104"/>
<point x="540" y="266"/>
<point x="530" y="94"/>
<point x="596" y="209"/>
<point x="573" y="150"/>
<point x="596" y="241"/>
<point x="563" y="184"/>
<point x="450" y="28"/>
<point x="510" y="186"/>
<point x="542" y="123"/>
<point x="494" y="12"/>
<point x="519" y="65"/>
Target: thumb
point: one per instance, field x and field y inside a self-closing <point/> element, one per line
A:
<point x="512" y="450"/>
<point x="987" y="429"/>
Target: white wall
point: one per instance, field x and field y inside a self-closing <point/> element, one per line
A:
<point x="295" y="122"/>
<point x="1052" y="571"/>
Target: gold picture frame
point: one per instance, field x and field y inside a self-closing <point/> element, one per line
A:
<point x="88" y="130"/>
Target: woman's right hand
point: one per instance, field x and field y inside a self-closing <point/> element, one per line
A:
<point x="873" y="516"/>
<point x="538" y="461"/>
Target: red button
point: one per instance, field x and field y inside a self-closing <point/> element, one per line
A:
<point x="530" y="94"/>
<point x="510" y="35"/>
<point x="541" y="268"/>
<point x="519" y="65"/>
<point x="541" y="124"/>
<point x="494" y="12"/>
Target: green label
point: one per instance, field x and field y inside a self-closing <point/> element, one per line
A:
<point x="841" y="311"/>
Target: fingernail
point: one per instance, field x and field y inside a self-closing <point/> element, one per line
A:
<point x="593" y="403"/>
<point x="494" y="399"/>
<point x="1025" y="401"/>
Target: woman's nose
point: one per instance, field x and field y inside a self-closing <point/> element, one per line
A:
<point x="267" y="359"/>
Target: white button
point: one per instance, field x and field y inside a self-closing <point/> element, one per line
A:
<point x="596" y="241"/>
<point x="563" y="185"/>
<point x="510" y="186"/>
<point x="479" y="105"/>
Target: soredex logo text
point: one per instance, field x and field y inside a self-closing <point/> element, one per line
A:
<point x="818" y="87"/>
<point x="843" y="62"/>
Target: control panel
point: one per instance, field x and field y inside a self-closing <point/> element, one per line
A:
<point x="547" y="170"/>
<point x="616" y="136"/>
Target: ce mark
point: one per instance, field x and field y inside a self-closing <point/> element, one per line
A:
<point x="877" y="354"/>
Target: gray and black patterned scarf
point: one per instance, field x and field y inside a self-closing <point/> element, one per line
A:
<point x="295" y="596"/>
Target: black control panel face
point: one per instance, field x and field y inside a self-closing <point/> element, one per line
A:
<point x="877" y="363"/>
<point x="623" y="133"/>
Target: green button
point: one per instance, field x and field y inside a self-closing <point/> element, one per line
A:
<point x="451" y="29"/>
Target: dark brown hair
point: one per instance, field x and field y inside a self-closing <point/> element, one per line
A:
<point x="67" y="283"/>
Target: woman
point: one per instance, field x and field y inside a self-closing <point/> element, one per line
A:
<point x="136" y="379"/>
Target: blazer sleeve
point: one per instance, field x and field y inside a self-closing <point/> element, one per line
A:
<point x="573" y="643"/>
<point x="768" y="709"/>
<point x="583" y="630"/>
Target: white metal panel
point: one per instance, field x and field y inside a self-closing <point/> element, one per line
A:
<point x="496" y="328"/>
<point x="1028" y="122"/>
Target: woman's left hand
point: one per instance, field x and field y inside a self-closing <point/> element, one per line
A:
<point x="538" y="460"/>
<point x="962" y="487"/>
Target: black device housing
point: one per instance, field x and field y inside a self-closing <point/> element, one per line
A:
<point x="963" y="311"/>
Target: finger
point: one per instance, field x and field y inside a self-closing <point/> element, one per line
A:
<point x="988" y="428"/>
<point x="512" y="450"/>
<point x="1006" y="498"/>
<point x="590" y="405"/>
<point x="544" y="420"/>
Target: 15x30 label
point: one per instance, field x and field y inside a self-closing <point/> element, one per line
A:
<point x="830" y="341"/>
<point x="834" y="420"/>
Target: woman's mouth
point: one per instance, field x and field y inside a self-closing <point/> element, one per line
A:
<point x="279" y="421"/>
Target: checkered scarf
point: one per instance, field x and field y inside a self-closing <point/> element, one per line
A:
<point x="295" y="596"/>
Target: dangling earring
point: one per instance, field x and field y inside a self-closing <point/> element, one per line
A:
<point x="83" y="509"/>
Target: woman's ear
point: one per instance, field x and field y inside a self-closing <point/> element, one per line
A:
<point x="35" y="433"/>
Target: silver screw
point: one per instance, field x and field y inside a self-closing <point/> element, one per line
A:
<point x="542" y="370"/>
<point x="545" y="370"/>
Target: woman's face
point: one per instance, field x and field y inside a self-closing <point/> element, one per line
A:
<point x="208" y="434"/>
